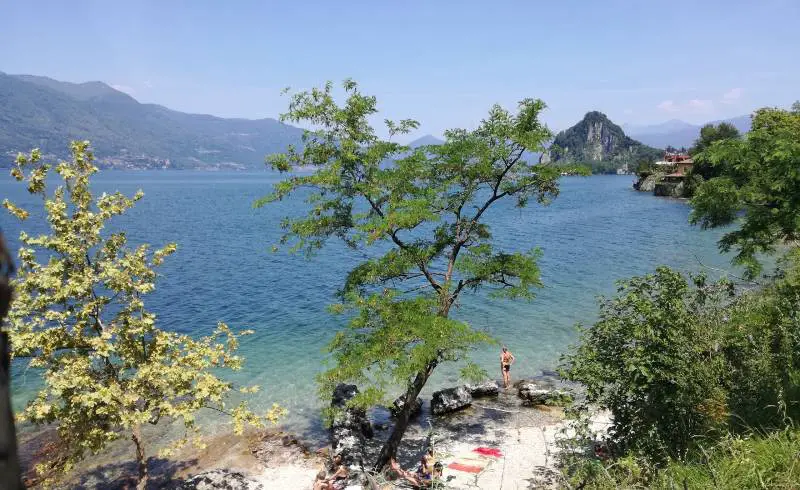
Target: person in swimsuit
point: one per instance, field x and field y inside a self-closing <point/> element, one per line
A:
<point x="506" y="360"/>
<point x="340" y="474"/>
<point x="427" y="467"/>
<point x="397" y="471"/>
<point x="321" y="483"/>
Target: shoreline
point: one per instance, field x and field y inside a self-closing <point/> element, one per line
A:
<point x="523" y="437"/>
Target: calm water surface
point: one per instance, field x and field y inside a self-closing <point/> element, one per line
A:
<point x="597" y="231"/>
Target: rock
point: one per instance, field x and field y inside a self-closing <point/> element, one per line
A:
<point x="350" y="428"/>
<point x="533" y="394"/>
<point x="647" y="182"/>
<point x="220" y="480"/>
<point x="450" y="400"/>
<point x="342" y="394"/>
<point x="669" y="189"/>
<point x="398" y="405"/>
<point x="487" y="388"/>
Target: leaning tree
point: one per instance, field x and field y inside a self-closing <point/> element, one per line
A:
<point x="419" y="217"/>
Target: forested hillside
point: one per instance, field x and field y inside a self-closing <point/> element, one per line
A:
<point x="38" y="112"/>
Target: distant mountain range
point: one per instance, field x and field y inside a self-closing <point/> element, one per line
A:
<point x="39" y="112"/>
<point x="678" y="133"/>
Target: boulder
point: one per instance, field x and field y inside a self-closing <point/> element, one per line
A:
<point x="398" y="405"/>
<point x="450" y="400"/>
<point x="487" y="388"/>
<point x="220" y="480"/>
<point x="349" y="429"/>
<point x="534" y="394"/>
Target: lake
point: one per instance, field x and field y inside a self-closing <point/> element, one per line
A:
<point x="597" y="231"/>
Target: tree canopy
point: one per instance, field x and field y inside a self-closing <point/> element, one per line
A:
<point x="419" y="216"/>
<point x="708" y="135"/>
<point x="757" y="186"/>
<point x="79" y="317"/>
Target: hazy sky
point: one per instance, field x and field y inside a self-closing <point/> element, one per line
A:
<point x="441" y="62"/>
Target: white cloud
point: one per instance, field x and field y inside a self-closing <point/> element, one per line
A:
<point x="628" y="112"/>
<point x="732" y="95"/>
<point x="693" y="106"/>
<point x="123" y="88"/>
<point x="700" y="105"/>
<point x="148" y="84"/>
<point x="668" y="106"/>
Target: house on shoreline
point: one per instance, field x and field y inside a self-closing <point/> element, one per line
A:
<point x="667" y="176"/>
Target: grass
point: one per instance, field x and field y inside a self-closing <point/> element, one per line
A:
<point x="756" y="462"/>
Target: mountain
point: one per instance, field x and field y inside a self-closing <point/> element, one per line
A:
<point x="666" y="127"/>
<point x="426" y="140"/>
<point x="677" y="135"/>
<point x="598" y="142"/>
<point x="39" y="112"/>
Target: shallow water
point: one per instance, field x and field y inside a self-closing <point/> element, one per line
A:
<point x="597" y="231"/>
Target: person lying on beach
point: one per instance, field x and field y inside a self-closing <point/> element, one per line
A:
<point x="397" y="471"/>
<point x="322" y="483"/>
<point x="340" y="473"/>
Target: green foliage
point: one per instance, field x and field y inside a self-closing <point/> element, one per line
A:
<point x="418" y="215"/>
<point x="709" y="134"/>
<point x="648" y="361"/>
<point x="733" y="463"/>
<point x="79" y="316"/>
<point x="683" y="367"/>
<point x="390" y="340"/>
<point x="759" y="180"/>
<point x="581" y="170"/>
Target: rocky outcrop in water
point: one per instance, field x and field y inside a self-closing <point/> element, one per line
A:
<point x="647" y="182"/>
<point x="532" y="394"/>
<point x="220" y="480"/>
<point x="598" y="142"/>
<point x="487" y="388"/>
<point x="350" y="428"/>
<point x="450" y="400"/>
<point x="400" y="403"/>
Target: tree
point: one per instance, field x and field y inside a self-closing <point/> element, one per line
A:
<point x="708" y="135"/>
<point x="421" y="215"/>
<point x="758" y="181"/>
<point x="79" y="316"/>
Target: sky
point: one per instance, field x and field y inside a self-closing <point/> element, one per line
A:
<point x="443" y="63"/>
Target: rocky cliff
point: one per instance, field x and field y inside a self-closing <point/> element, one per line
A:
<point x="598" y="142"/>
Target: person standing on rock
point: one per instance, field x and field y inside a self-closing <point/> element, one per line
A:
<point x="506" y="360"/>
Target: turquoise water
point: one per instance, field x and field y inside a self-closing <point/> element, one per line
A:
<point x="597" y="231"/>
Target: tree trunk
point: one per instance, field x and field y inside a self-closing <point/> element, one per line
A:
<point x="389" y="449"/>
<point x="9" y="459"/>
<point x="140" y="458"/>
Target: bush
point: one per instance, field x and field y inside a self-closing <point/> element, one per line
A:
<point x="683" y="368"/>
<point x="650" y="361"/>
<point x="679" y="365"/>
